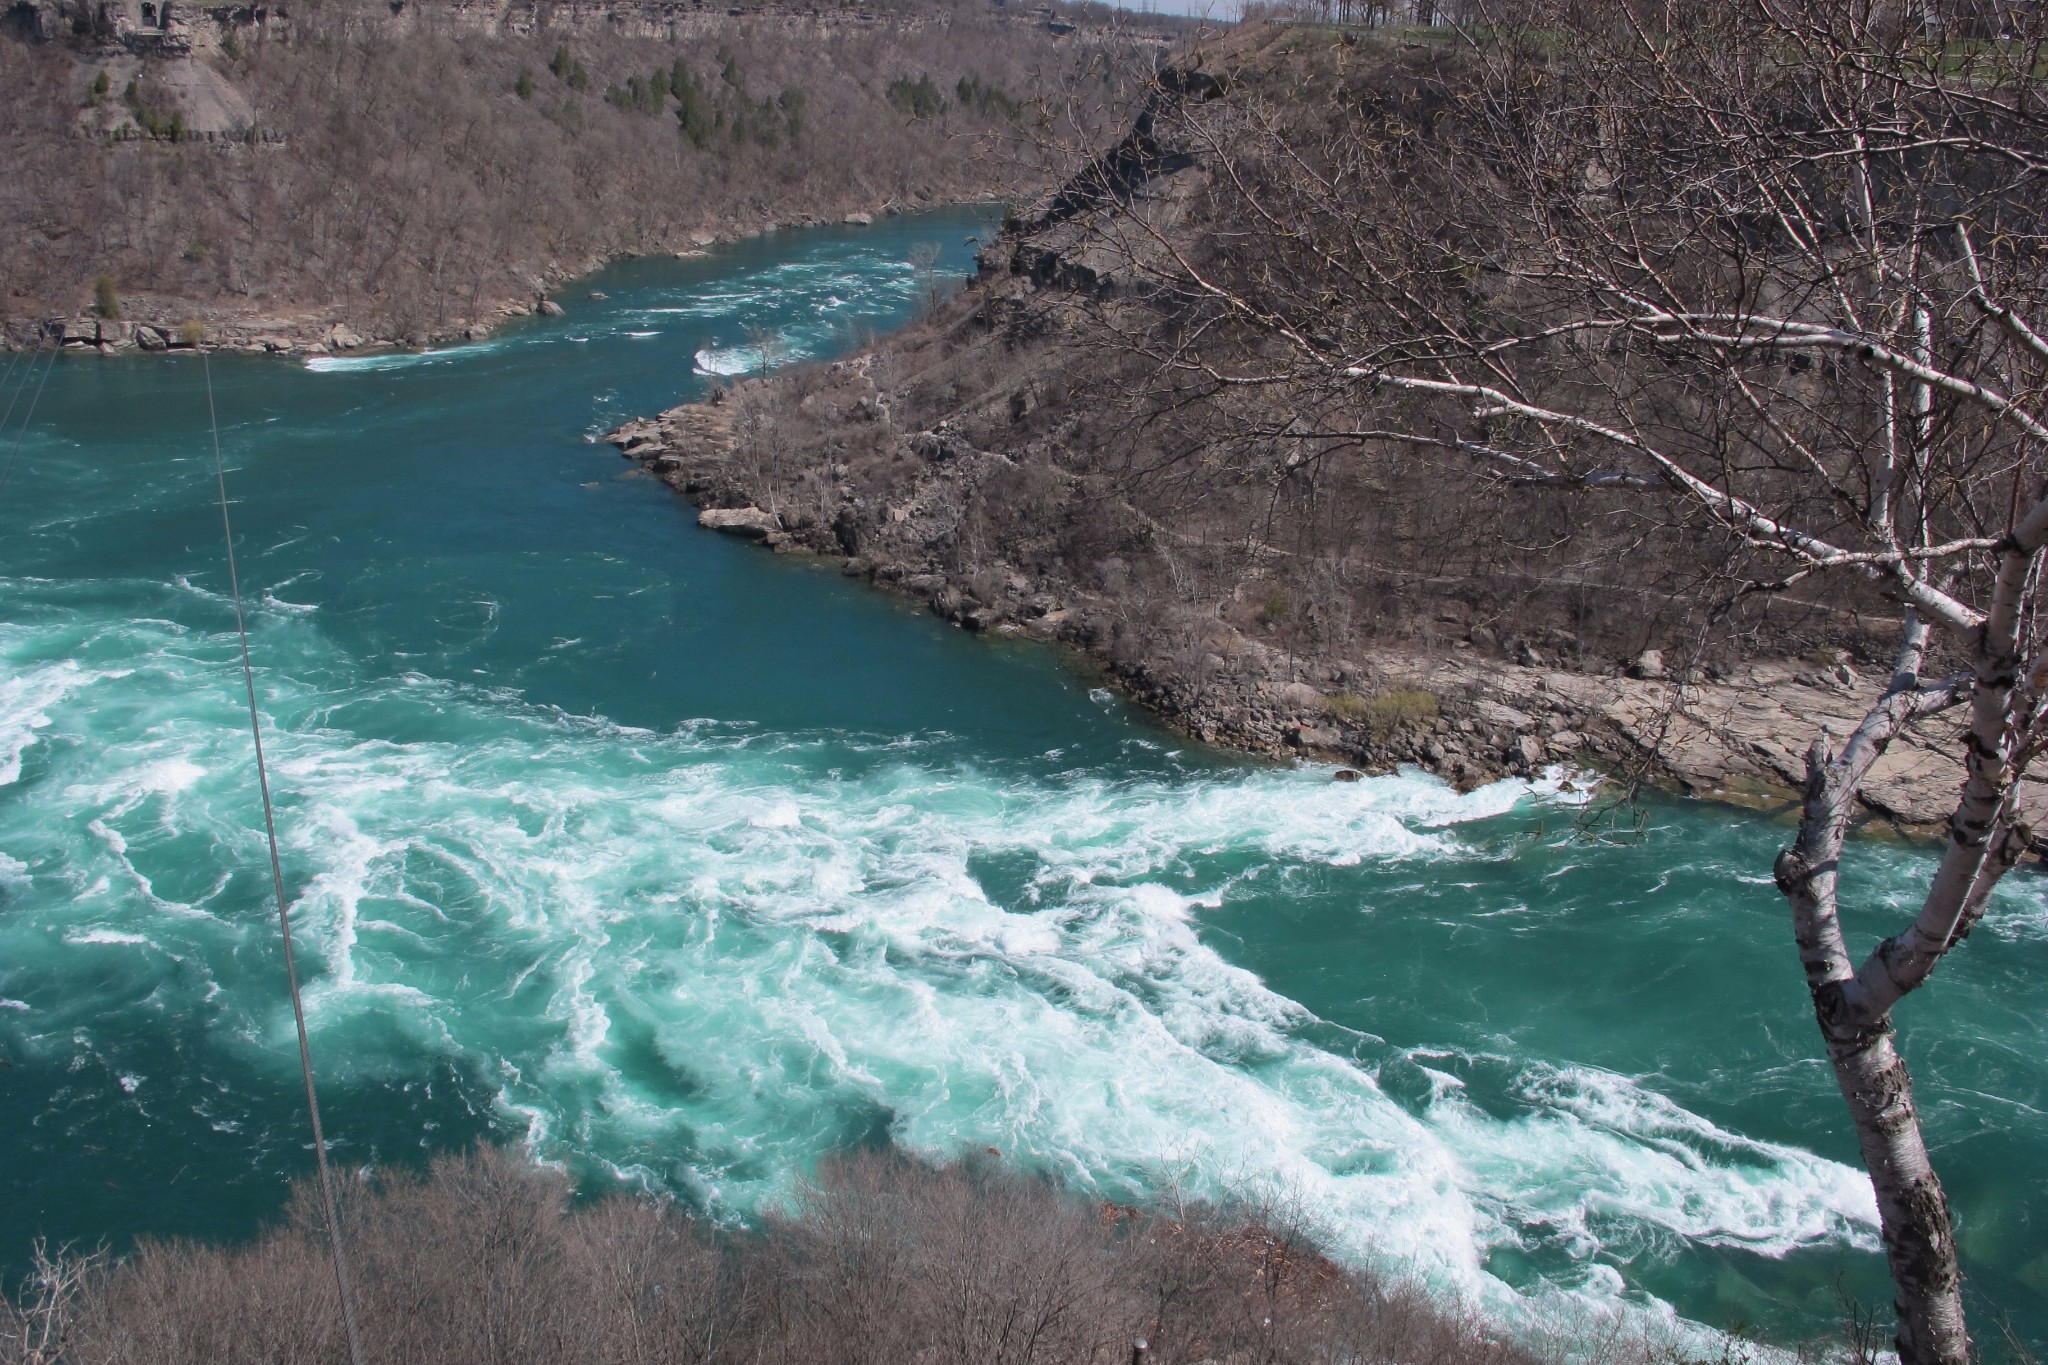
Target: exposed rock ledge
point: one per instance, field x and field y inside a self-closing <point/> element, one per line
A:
<point x="1463" y="714"/>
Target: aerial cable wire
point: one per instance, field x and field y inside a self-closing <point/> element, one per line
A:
<point x="284" y="918"/>
<point x="22" y="435"/>
<point x="8" y="377"/>
<point x="35" y="354"/>
<point x="31" y="351"/>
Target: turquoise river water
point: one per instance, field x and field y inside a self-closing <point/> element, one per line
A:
<point x="686" y="864"/>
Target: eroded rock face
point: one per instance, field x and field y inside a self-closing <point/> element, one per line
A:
<point x="750" y="522"/>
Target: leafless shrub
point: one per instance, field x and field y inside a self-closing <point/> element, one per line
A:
<point x="36" y="1328"/>
<point x="880" y="1259"/>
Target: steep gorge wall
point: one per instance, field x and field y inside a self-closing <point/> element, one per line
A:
<point x="414" y="169"/>
<point x="175" y="28"/>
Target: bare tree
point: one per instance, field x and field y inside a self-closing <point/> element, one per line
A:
<point x="39" y="1329"/>
<point x="1762" y="277"/>
<point x="765" y="342"/>
<point x="924" y="274"/>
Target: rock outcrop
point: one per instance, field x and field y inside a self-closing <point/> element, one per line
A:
<point x="749" y="522"/>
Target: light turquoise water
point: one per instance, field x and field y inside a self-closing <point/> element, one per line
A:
<point x="687" y="864"/>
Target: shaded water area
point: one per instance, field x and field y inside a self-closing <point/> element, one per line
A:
<point x="687" y="864"/>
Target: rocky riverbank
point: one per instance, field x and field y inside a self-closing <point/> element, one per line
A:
<point x="1474" y="710"/>
<point x="150" y="324"/>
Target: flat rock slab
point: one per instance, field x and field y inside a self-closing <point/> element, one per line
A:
<point x="750" y="522"/>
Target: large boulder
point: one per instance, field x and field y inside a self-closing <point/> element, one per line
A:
<point x="1300" y="697"/>
<point x="751" y="522"/>
<point x="340" y="337"/>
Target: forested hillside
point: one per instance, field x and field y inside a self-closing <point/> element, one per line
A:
<point x="409" y="171"/>
<point x="1104" y="442"/>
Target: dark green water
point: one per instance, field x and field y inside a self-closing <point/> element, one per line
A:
<point x="686" y="864"/>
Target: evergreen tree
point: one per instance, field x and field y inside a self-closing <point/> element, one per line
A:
<point x="918" y="98"/>
<point x="792" y="102"/>
<point x="693" y="105"/>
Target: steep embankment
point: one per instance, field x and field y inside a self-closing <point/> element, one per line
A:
<point x="1020" y="463"/>
<point x="416" y="172"/>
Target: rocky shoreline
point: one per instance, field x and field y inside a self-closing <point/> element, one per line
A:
<point x="157" y="325"/>
<point x="1471" y="713"/>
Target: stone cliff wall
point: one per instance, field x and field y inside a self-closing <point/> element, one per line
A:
<point x="172" y="28"/>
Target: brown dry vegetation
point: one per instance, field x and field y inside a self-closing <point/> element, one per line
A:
<point x="401" y="177"/>
<point x="1205" y="512"/>
<point x="882" y="1261"/>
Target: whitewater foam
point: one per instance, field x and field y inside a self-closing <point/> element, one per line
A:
<point x="738" y="360"/>
<point x="25" y="701"/>
<point x="399" y="360"/>
<point x="703" y="958"/>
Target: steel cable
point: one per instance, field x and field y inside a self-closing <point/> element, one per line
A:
<point x="28" y="417"/>
<point x="284" y="918"/>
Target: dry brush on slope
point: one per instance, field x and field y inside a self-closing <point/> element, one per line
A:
<point x="1022" y="461"/>
<point x="410" y="179"/>
<point x="879" y="1262"/>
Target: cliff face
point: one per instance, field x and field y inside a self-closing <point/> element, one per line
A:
<point x="412" y="170"/>
<point x="178" y="28"/>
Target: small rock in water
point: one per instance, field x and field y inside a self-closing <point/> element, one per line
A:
<point x="548" y="308"/>
<point x="1346" y="775"/>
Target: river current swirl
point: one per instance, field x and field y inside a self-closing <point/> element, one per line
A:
<point x="686" y="865"/>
